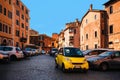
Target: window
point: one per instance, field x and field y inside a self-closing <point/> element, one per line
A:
<point x="9" y="30"/>
<point x="96" y="46"/>
<point x="71" y="30"/>
<point x="22" y="7"/>
<point x="4" y="11"/>
<point x="95" y="17"/>
<point x="95" y="34"/>
<point x="17" y="44"/>
<point x="110" y="42"/>
<point x="74" y="31"/>
<point x="86" y="47"/>
<point x="111" y="29"/>
<point x="17" y="33"/>
<point x="86" y="36"/>
<point x="71" y="44"/>
<point x="9" y="1"/>
<point x="17" y="22"/>
<point x="41" y="37"/>
<point x="111" y="9"/>
<point x="22" y="25"/>
<point x="26" y="11"/>
<point x="17" y="2"/>
<point x="22" y="16"/>
<point x="22" y="34"/>
<point x="0" y="26"/>
<point x="71" y="37"/>
<point x="3" y="27"/>
<point x="6" y="28"/>
<point x="10" y="14"/>
<point x="26" y="27"/>
<point x="0" y="8"/>
<point x="17" y="13"/>
<point x="53" y="44"/>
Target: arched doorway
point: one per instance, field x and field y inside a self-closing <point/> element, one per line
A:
<point x="4" y="42"/>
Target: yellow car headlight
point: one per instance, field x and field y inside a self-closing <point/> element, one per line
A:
<point x="68" y="59"/>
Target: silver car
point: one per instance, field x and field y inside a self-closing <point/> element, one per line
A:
<point x="94" y="52"/>
<point x="14" y="53"/>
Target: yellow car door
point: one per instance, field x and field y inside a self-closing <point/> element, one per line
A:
<point x="60" y="57"/>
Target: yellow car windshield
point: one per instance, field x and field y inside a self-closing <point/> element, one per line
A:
<point x="73" y="52"/>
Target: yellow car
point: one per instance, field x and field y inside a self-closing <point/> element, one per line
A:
<point x="70" y="58"/>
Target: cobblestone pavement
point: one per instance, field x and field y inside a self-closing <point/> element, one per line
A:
<point x="42" y="68"/>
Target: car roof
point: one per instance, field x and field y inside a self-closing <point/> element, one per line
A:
<point x="113" y="50"/>
<point x="7" y="46"/>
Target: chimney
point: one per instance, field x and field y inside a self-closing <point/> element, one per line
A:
<point x="91" y="6"/>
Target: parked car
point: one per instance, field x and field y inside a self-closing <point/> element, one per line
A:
<point x="94" y="52"/>
<point x="53" y="51"/>
<point x="14" y="53"/>
<point x="4" y="57"/>
<point x="34" y="51"/>
<point x="43" y="52"/>
<point x="27" y="52"/>
<point x="70" y="58"/>
<point x="106" y="60"/>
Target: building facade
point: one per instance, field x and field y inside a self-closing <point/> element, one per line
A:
<point x="61" y="39"/>
<point x="72" y="34"/>
<point x="20" y="24"/>
<point x="6" y="27"/>
<point x="14" y="23"/>
<point x="33" y="32"/>
<point x="55" y="40"/>
<point x="93" y="30"/>
<point x="43" y="41"/>
<point x="113" y="10"/>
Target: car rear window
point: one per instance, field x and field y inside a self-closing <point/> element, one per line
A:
<point x="1" y="48"/>
<point x="7" y="48"/>
<point x="28" y="49"/>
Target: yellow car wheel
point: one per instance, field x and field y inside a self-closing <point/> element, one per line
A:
<point x="63" y="68"/>
<point x="56" y="65"/>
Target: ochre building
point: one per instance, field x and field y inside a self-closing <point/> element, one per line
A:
<point x="6" y="19"/>
<point x="113" y="10"/>
<point x="14" y="23"/>
<point x="93" y="30"/>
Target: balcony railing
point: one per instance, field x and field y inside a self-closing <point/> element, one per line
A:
<point x="23" y="39"/>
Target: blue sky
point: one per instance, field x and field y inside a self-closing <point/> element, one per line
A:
<point x="50" y="16"/>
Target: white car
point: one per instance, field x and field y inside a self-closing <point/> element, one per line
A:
<point x="4" y="57"/>
<point x="14" y="53"/>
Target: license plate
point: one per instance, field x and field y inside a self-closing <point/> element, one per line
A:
<point x="77" y="66"/>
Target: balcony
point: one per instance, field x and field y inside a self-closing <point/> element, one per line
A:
<point x="22" y="39"/>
